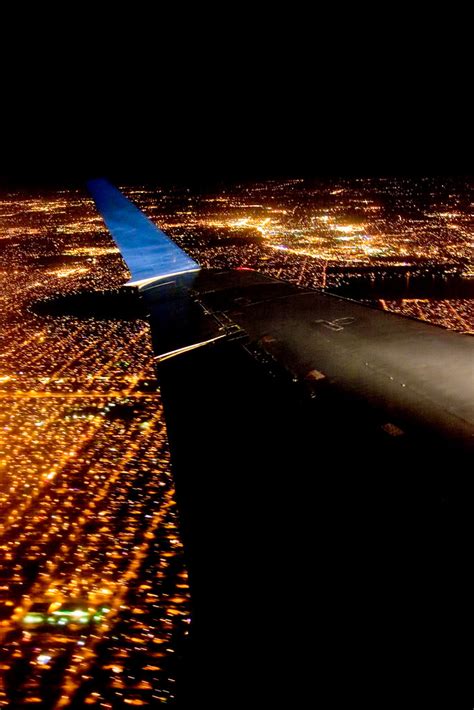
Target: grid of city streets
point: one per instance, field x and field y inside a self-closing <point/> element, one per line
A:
<point x="94" y="599"/>
<point x="93" y="590"/>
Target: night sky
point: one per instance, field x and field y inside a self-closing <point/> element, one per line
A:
<point x="235" y="108"/>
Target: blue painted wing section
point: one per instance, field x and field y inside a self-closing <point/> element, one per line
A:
<point x="147" y="251"/>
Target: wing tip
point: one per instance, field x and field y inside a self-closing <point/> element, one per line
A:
<point x="149" y="253"/>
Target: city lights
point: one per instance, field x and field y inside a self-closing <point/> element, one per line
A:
<point x="94" y="597"/>
<point x="85" y="494"/>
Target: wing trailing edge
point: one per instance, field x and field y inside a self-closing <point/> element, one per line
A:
<point x="149" y="254"/>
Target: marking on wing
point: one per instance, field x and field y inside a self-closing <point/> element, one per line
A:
<point x="336" y="324"/>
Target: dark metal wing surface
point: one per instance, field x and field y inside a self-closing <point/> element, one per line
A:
<point x="322" y="455"/>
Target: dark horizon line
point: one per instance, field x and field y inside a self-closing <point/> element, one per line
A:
<point x="78" y="180"/>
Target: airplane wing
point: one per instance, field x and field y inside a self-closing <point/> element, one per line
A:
<point x="321" y="452"/>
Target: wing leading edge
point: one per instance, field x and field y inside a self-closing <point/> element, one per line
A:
<point x="147" y="251"/>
